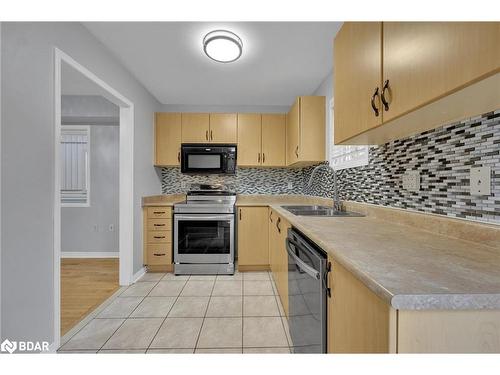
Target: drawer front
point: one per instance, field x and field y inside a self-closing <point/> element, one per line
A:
<point x="159" y="224"/>
<point x="159" y="236"/>
<point x="159" y="212"/>
<point x="159" y="254"/>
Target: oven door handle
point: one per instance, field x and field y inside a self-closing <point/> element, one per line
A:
<point x="301" y="265"/>
<point x="204" y="217"/>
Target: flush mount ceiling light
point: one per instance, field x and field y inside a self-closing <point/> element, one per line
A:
<point x="222" y="46"/>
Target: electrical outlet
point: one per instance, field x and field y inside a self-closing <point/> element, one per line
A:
<point x="290" y="185"/>
<point x="480" y="181"/>
<point x="111" y="228"/>
<point x="183" y="184"/>
<point x="411" y="181"/>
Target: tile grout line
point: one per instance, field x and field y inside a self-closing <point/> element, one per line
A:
<point x="124" y="320"/>
<point x="204" y="316"/>
<point x="166" y="316"/>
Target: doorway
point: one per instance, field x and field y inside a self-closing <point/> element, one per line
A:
<point x="119" y="266"/>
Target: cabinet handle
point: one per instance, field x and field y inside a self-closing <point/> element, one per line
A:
<point x="206" y="135"/>
<point x="159" y="254"/>
<point x="374" y="107"/>
<point x="179" y="156"/>
<point x="258" y="158"/>
<point x="240" y="213"/>
<point x="297" y="151"/>
<point x="263" y="158"/>
<point x="158" y="237"/>
<point x="271" y="216"/>
<point x="159" y="225"/>
<point x="328" y="288"/>
<point x="211" y="135"/>
<point x="159" y="212"/>
<point x="278" y="224"/>
<point x="382" y="97"/>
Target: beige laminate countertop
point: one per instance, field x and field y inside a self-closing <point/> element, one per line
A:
<point x="411" y="266"/>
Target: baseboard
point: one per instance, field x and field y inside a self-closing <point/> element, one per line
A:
<point x="90" y="254"/>
<point x="138" y="274"/>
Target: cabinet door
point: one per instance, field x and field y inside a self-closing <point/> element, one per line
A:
<point x="249" y="139"/>
<point x="283" y="263"/>
<point x="272" y="242"/>
<point x="273" y="140"/>
<point x="195" y="128"/>
<point x="253" y="237"/>
<point x="358" y="73"/>
<point x="424" y="61"/>
<point x="167" y="139"/>
<point x="292" y="133"/>
<point x="223" y="128"/>
<point x="312" y="130"/>
<point x="358" y="320"/>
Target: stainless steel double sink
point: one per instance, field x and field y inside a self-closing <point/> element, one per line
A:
<point x="320" y="211"/>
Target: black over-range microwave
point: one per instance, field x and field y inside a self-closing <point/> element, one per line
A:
<point x="208" y="158"/>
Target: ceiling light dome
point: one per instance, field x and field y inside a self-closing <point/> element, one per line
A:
<point x="222" y="46"/>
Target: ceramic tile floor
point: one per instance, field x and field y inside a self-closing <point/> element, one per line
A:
<point x="164" y="313"/>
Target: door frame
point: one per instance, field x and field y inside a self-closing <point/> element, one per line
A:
<point x="126" y="179"/>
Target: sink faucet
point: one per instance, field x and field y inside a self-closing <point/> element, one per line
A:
<point x="337" y="203"/>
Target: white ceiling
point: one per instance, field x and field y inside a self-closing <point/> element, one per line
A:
<point x="280" y="60"/>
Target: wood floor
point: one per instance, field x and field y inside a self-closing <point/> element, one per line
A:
<point x="85" y="284"/>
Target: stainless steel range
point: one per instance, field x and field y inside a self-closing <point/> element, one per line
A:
<point x="204" y="231"/>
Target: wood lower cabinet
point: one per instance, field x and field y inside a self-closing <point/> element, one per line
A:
<point x="305" y="131"/>
<point x="195" y="128"/>
<point x="253" y="239"/>
<point x="358" y="75"/>
<point x="167" y="139"/>
<point x="278" y="228"/>
<point x="223" y="128"/>
<point x="157" y="247"/>
<point x="358" y="320"/>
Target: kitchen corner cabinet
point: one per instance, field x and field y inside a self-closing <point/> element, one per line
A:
<point x="167" y="139"/>
<point x="253" y="239"/>
<point x="261" y="140"/>
<point x="278" y="256"/>
<point x="305" y="129"/>
<point x="395" y="79"/>
<point x="157" y="237"/>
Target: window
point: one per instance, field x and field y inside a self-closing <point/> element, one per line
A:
<point x="343" y="157"/>
<point x="75" y="164"/>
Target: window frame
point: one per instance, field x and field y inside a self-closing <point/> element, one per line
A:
<point x="85" y="128"/>
<point x="359" y="162"/>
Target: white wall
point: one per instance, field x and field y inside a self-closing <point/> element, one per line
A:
<point x="27" y="157"/>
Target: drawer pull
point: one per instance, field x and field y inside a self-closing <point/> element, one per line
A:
<point x="372" y="102"/>
<point x="159" y="254"/>
<point x="382" y="97"/>
<point x="159" y="237"/>
<point x="159" y="212"/>
<point x="278" y="222"/>
<point x="159" y="225"/>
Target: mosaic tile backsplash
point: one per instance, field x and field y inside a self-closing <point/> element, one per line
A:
<point x="443" y="157"/>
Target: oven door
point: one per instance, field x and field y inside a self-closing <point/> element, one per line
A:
<point x="204" y="238"/>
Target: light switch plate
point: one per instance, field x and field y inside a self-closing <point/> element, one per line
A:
<point x="411" y="181"/>
<point x="480" y="181"/>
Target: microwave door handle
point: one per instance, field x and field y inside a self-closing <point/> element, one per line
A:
<point x="301" y="265"/>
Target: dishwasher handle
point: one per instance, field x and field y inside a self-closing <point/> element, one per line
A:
<point x="299" y="262"/>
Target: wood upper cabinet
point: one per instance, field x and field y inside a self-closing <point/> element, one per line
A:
<point x="223" y="128"/>
<point x="253" y="237"/>
<point x="424" y="61"/>
<point x="305" y="131"/>
<point x="249" y="139"/>
<point x="273" y="140"/>
<point x="415" y="75"/>
<point x="358" y="74"/>
<point x="167" y="139"/>
<point x="195" y="128"/>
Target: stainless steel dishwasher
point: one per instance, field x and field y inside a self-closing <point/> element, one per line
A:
<point x="307" y="293"/>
